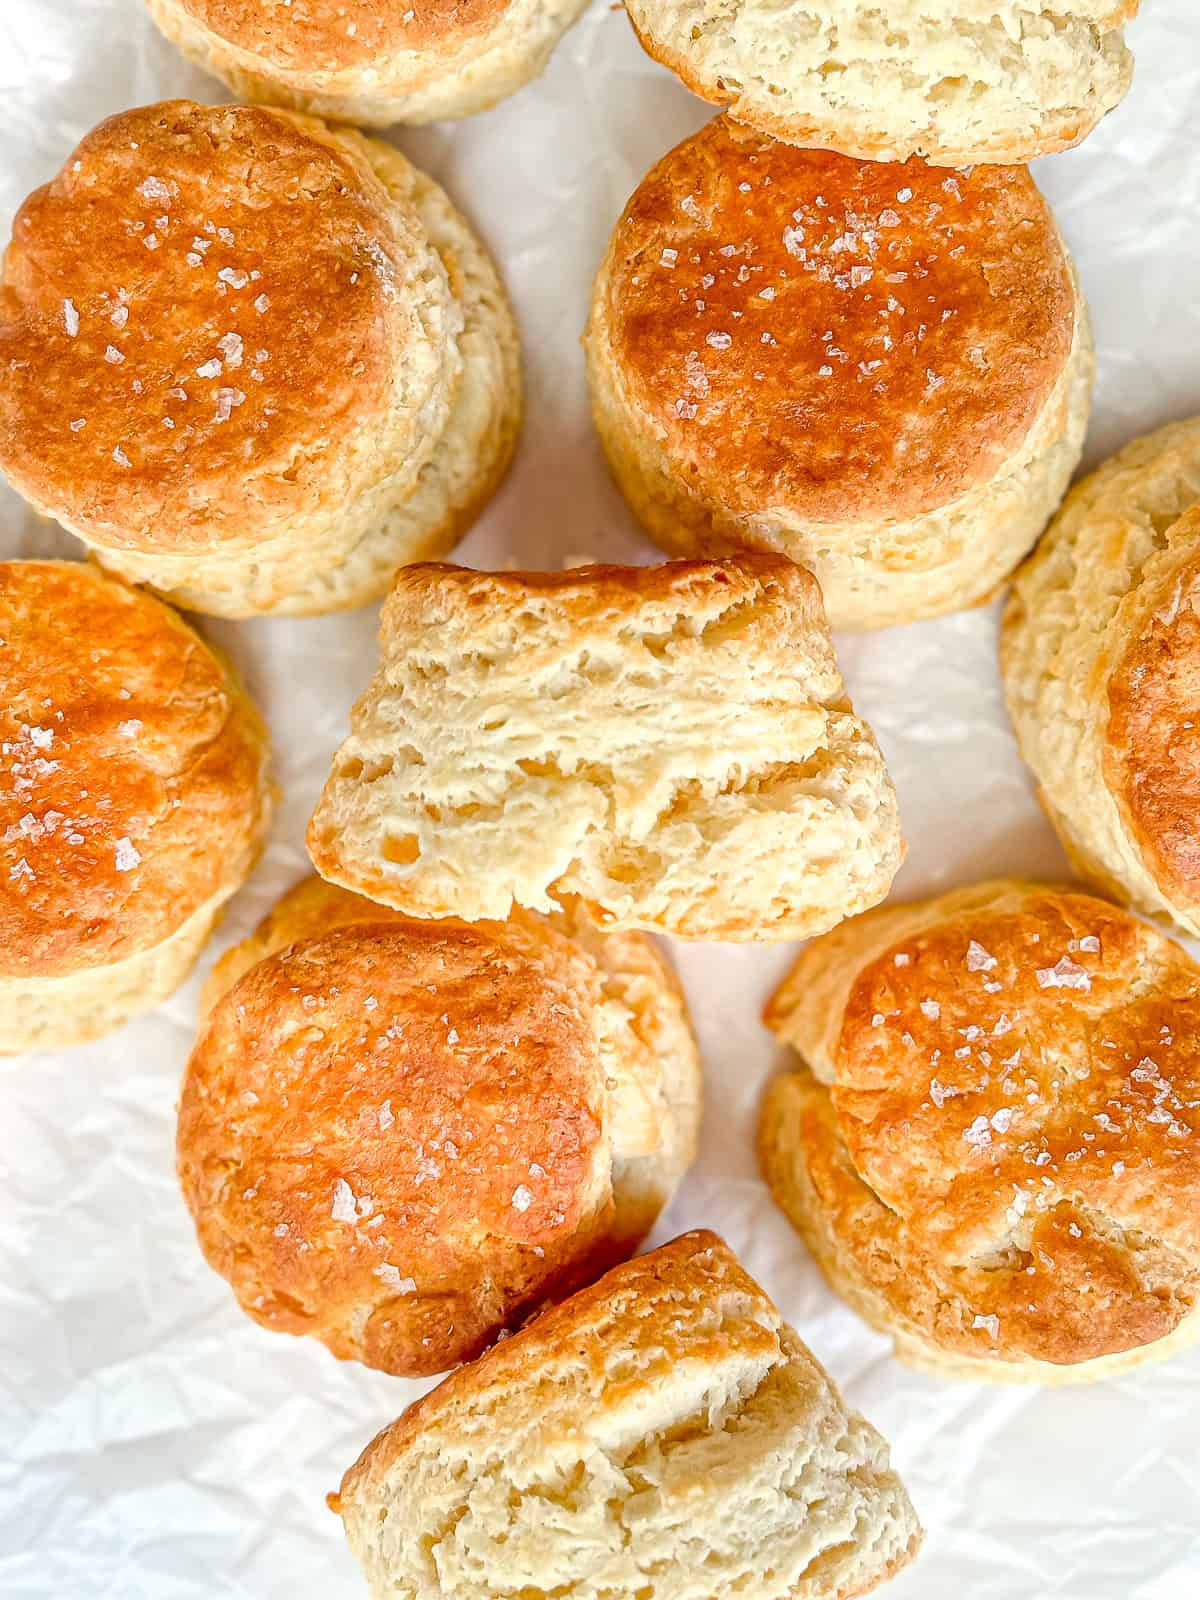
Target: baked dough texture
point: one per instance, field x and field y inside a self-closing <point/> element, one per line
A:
<point x="952" y="81"/>
<point x="672" y="746"/>
<point x="134" y="799"/>
<point x="404" y="1137"/>
<point x="992" y="1146"/>
<point x="883" y="371"/>
<point x="370" y="64"/>
<point x="252" y="361"/>
<point x="1100" y="650"/>
<point x="662" y="1434"/>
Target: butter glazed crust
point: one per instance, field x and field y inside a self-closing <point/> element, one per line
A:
<point x="403" y="1137"/>
<point x="992" y="1146"/>
<point x="880" y="370"/>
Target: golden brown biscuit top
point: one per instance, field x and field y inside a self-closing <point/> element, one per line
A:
<point x="331" y="35"/>
<point x="195" y="314"/>
<point x="845" y="339"/>
<point x="399" y="1116"/>
<point x="131" y="770"/>
<point x="1021" y="1084"/>
<point x="1152" y="747"/>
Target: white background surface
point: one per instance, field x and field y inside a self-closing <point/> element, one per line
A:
<point x="155" y="1444"/>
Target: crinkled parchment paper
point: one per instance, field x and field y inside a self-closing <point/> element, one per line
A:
<point x="155" y="1444"/>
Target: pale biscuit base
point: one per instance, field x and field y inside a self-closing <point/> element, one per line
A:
<point x="1076" y="607"/>
<point x="872" y="574"/>
<point x="672" y="747"/>
<point x="651" y="1058"/>
<point x="663" y="1434"/>
<point x="403" y="518"/>
<point x="954" y="84"/>
<point x="409" y="86"/>
<point x="56" y="1013"/>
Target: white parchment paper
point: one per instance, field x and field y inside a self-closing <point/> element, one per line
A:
<point x="154" y="1443"/>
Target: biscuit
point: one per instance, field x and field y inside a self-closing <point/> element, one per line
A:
<point x="991" y="1145"/>
<point x="357" y="61"/>
<point x="955" y="83"/>
<point x="133" y="801"/>
<point x="671" y="746"/>
<point x="663" y="1434"/>
<point x="403" y="1137"/>
<point x="252" y="361"/>
<point x="883" y="371"/>
<point x="1100" y="651"/>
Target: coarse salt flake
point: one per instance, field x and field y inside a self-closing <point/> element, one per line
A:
<point x="343" y="1208"/>
<point x="127" y="855"/>
<point x="227" y="400"/>
<point x="978" y="959"/>
<point x="390" y="1275"/>
<point x="1064" y="974"/>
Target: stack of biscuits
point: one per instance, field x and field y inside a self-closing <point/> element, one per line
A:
<point x="841" y="367"/>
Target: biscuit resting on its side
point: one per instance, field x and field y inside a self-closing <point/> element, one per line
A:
<point x="663" y="1434"/>
<point x="672" y="745"/>
<point x="954" y="81"/>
